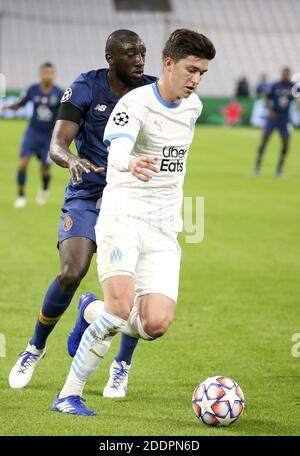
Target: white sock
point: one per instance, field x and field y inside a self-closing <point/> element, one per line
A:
<point x="93" y="310"/>
<point x="133" y="327"/>
<point x="94" y="344"/>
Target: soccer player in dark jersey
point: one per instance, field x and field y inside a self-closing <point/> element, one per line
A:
<point x="278" y="103"/>
<point x="36" y="140"/>
<point x="85" y="109"/>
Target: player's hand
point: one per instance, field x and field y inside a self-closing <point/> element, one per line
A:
<point x="273" y="114"/>
<point x="78" y="166"/>
<point x="139" y="167"/>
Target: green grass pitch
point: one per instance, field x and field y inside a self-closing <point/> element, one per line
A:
<point x="238" y="304"/>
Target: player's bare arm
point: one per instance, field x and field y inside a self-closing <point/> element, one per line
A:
<point x="138" y="167"/>
<point x="63" y="134"/>
<point x="13" y="107"/>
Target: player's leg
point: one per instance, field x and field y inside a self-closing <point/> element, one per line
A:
<point x="157" y="276"/>
<point x="117" y="256"/>
<point x="284" y="134"/>
<point x="21" y="181"/>
<point x="43" y="155"/>
<point x="118" y="293"/>
<point x="28" y="146"/>
<point x="75" y="257"/>
<point x="77" y="243"/>
<point x="261" y="149"/>
<point x="156" y="284"/>
<point x="156" y="314"/>
<point x="89" y="309"/>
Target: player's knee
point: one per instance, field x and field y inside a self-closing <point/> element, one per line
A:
<point x="156" y="327"/>
<point x="120" y="306"/>
<point x="124" y="309"/>
<point x="70" y="277"/>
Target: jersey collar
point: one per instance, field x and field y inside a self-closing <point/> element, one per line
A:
<point x="161" y="100"/>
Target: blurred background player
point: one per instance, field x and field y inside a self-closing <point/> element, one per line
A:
<point x="83" y="114"/>
<point x="278" y="101"/>
<point x="45" y="97"/>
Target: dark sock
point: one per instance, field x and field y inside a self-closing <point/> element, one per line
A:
<point x="127" y="348"/>
<point x="281" y="160"/>
<point x="260" y="152"/>
<point x="21" y="179"/>
<point x="55" y="303"/>
<point x="46" y="181"/>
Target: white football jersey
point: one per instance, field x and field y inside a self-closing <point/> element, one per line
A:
<point x="157" y="129"/>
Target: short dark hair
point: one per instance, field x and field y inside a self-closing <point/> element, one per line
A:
<point x="184" y="42"/>
<point x="46" y="65"/>
<point x="117" y="35"/>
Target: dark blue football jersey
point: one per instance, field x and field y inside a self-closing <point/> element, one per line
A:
<point x="91" y="93"/>
<point x="281" y="97"/>
<point x="45" y="108"/>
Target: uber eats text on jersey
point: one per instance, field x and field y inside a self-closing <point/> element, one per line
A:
<point x="173" y="159"/>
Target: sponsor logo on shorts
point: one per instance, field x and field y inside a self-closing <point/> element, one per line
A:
<point x="115" y="255"/>
<point x="173" y="159"/>
<point x="68" y="223"/>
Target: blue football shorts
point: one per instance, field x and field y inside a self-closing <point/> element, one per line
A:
<point x="78" y="219"/>
<point x="282" y="127"/>
<point x="36" y="144"/>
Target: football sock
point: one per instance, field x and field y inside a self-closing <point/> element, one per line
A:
<point x="21" y="179"/>
<point x="281" y="160"/>
<point x="260" y="152"/>
<point x="134" y="327"/>
<point x="93" y="310"/>
<point x="46" y="181"/>
<point x="55" y="303"/>
<point x="127" y="343"/>
<point x="127" y="347"/>
<point x="94" y="344"/>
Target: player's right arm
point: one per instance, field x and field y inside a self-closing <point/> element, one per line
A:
<point x="64" y="133"/>
<point x="21" y="101"/>
<point x="74" y="103"/>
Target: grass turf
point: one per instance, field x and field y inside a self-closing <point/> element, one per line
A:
<point x="238" y="303"/>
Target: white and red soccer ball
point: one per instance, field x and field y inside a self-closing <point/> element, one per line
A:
<point x="218" y="401"/>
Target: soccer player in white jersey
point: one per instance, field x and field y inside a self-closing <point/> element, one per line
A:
<point x="149" y="134"/>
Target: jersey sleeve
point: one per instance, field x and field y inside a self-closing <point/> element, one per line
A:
<point x="25" y="96"/>
<point x="125" y="120"/>
<point x="79" y="94"/>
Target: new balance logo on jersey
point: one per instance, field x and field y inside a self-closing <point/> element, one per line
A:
<point x="173" y="160"/>
<point x="100" y="107"/>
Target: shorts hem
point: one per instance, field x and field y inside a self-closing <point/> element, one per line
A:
<point x="152" y="291"/>
<point x="106" y="275"/>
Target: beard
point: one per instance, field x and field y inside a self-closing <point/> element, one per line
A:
<point x="128" y="81"/>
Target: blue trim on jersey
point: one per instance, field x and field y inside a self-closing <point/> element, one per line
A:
<point x="161" y="100"/>
<point x="108" y="138"/>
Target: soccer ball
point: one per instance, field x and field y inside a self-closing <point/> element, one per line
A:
<point x="218" y="401"/>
